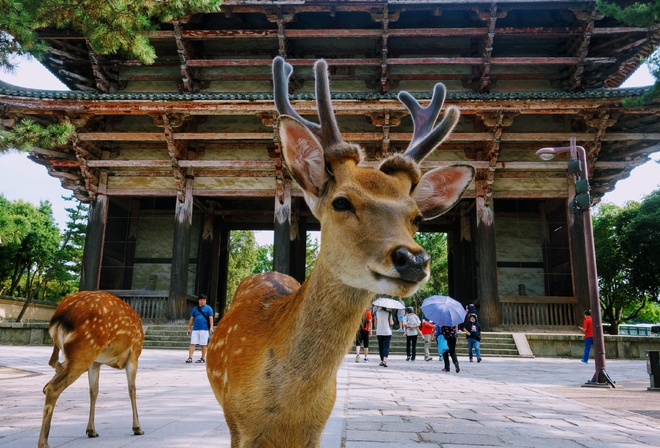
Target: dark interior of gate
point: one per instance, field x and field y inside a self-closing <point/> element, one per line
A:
<point x="175" y="155"/>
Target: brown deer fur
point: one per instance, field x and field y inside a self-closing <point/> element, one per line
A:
<point x="273" y="358"/>
<point x="91" y="328"/>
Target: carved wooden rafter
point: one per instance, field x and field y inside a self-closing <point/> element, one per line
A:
<point x="496" y="121"/>
<point x="384" y="17"/>
<point x="385" y="120"/>
<point x="102" y="80"/>
<point x="86" y="151"/>
<point x="177" y="151"/>
<point x="598" y="122"/>
<point x="483" y="83"/>
<point x="185" y="54"/>
<point x="581" y="45"/>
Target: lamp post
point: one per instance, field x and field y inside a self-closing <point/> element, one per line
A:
<point x="582" y="201"/>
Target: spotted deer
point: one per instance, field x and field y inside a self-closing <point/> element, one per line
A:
<point x="91" y="328"/>
<point x="274" y="356"/>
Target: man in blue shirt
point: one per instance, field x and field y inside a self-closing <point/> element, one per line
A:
<point x="200" y="327"/>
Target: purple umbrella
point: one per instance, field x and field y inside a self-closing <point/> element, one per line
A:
<point x="443" y="310"/>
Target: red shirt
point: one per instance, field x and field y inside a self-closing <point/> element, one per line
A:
<point x="588" y="329"/>
<point x="367" y="321"/>
<point x="427" y="327"/>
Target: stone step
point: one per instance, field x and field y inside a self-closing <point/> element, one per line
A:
<point x="492" y="344"/>
<point x="166" y="336"/>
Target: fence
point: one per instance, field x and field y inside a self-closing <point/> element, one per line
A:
<point x="538" y="311"/>
<point x="150" y="305"/>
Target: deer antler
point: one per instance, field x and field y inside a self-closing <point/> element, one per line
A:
<point x="328" y="131"/>
<point x="425" y="137"/>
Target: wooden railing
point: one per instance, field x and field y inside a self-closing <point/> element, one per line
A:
<point x="150" y="305"/>
<point x="538" y="311"/>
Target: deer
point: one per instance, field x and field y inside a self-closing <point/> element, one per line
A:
<point x="273" y="359"/>
<point x="91" y="328"/>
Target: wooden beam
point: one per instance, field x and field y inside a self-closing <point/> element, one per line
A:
<point x="371" y="136"/>
<point x="536" y="32"/>
<point x="262" y="164"/>
<point x="351" y="62"/>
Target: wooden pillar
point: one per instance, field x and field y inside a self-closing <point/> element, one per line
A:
<point x="460" y="251"/>
<point x="282" y="229"/>
<point x="487" y="292"/>
<point x="130" y="247"/>
<point x="223" y="271"/>
<point x="206" y="260"/>
<point x="97" y="219"/>
<point x="181" y="254"/>
<point x="298" y="249"/>
<point x="214" y="269"/>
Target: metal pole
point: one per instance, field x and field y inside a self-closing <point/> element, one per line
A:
<point x="600" y="375"/>
<point x="600" y="378"/>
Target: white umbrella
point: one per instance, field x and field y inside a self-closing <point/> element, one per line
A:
<point x="386" y="302"/>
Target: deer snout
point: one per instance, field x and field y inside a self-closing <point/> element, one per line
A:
<point x="411" y="266"/>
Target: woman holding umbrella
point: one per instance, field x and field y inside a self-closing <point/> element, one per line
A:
<point x="450" y="334"/>
<point x="448" y="313"/>
<point x="383" y="334"/>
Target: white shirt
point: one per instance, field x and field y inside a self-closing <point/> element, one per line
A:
<point x="383" y="323"/>
<point x="412" y="324"/>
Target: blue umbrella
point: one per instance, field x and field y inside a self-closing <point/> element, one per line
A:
<point x="443" y="310"/>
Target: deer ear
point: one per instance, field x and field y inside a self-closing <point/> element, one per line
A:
<point x="303" y="155"/>
<point x="440" y="189"/>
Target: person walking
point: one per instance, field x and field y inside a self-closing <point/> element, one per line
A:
<point x="362" y="336"/>
<point x="200" y="327"/>
<point x="411" y="324"/>
<point x="472" y="331"/>
<point x="587" y="327"/>
<point x="384" y="324"/>
<point x="441" y="341"/>
<point x="401" y="315"/>
<point x="450" y="334"/>
<point x="428" y="328"/>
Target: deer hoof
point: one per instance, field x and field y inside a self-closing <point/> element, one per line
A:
<point x="91" y="433"/>
<point x="137" y="431"/>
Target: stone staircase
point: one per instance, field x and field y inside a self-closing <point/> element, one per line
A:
<point x="492" y="344"/>
<point x="166" y="336"/>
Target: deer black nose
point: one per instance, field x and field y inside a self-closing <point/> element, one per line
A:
<point x="410" y="266"/>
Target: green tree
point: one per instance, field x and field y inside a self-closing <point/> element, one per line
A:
<point x="642" y="238"/>
<point x="63" y="277"/>
<point x="436" y="246"/>
<point x="37" y="260"/>
<point x="627" y="241"/>
<point x="312" y="247"/>
<point x="119" y="27"/>
<point x="26" y="257"/>
<point x="28" y="134"/>
<point x="242" y="259"/>
<point x="264" y="259"/>
<point x="645" y="14"/>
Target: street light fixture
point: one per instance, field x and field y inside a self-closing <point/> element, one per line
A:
<point x="582" y="202"/>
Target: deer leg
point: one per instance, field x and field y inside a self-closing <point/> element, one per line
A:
<point x="93" y="372"/>
<point x="54" y="359"/>
<point x="61" y="380"/>
<point x="131" y="373"/>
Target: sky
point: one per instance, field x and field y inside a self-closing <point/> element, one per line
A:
<point x="23" y="179"/>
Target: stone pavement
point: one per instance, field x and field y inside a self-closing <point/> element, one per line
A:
<point x="501" y="402"/>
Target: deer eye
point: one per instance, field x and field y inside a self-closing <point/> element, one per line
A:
<point x="342" y="205"/>
<point x="417" y="221"/>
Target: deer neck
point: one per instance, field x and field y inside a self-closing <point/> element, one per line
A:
<point x="327" y="307"/>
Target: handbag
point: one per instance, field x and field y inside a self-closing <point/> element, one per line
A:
<point x="442" y="345"/>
